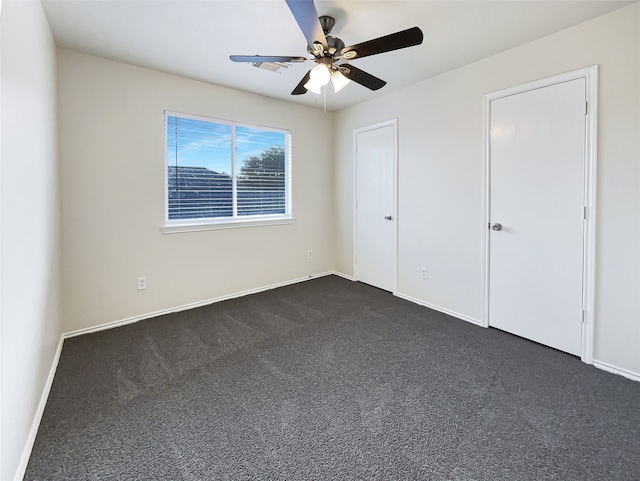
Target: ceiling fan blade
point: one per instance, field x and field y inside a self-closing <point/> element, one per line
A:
<point x="265" y="58"/>
<point x="362" y="77"/>
<point x="395" y="41"/>
<point x="305" y="13"/>
<point x="299" y="90"/>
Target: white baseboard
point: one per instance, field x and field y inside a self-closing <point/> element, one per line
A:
<point x="35" y="424"/>
<point x="26" y="453"/>
<point x="192" y="305"/>
<point x="344" y="276"/>
<point x="605" y="366"/>
<point x="440" y="309"/>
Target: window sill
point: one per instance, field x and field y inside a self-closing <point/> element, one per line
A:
<point x="226" y="224"/>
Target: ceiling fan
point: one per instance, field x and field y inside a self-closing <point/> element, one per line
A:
<point x="330" y="53"/>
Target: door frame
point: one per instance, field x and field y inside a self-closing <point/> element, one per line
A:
<point x="590" y="74"/>
<point x="387" y="123"/>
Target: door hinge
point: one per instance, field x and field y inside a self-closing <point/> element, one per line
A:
<point x="586" y="108"/>
<point x="582" y="320"/>
<point x="584" y="212"/>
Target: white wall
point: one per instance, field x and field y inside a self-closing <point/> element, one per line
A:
<point x="112" y="163"/>
<point x="30" y="224"/>
<point x="440" y="174"/>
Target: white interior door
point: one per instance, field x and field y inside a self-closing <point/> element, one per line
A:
<point x="537" y="169"/>
<point x="375" y="206"/>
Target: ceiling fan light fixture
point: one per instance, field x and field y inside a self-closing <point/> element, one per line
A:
<point x="318" y="78"/>
<point x="339" y="81"/>
<point x="320" y="75"/>
<point x="311" y="86"/>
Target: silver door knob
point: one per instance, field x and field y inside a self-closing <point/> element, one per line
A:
<point x="496" y="226"/>
<point x="387" y="217"/>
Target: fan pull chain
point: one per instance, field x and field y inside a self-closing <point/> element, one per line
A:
<point x="324" y="98"/>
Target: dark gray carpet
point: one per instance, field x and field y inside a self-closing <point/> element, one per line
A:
<point x="330" y="379"/>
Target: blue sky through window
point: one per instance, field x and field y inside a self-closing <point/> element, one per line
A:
<point x="251" y="142"/>
<point x="208" y="144"/>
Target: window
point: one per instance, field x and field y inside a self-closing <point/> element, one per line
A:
<point x="221" y="173"/>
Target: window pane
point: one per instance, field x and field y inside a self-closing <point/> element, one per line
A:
<point x="199" y="169"/>
<point x="261" y="172"/>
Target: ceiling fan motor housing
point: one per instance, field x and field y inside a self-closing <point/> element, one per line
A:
<point x="334" y="43"/>
<point x="327" y="23"/>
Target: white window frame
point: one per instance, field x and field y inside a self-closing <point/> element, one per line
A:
<point x="189" y="225"/>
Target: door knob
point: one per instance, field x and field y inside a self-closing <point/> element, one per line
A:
<point x="496" y="226"/>
<point x="387" y="217"/>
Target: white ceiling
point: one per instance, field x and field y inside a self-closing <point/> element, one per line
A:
<point x="195" y="38"/>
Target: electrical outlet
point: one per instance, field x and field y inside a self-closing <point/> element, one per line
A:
<point x="423" y="272"/>
<point x="142" y="283"/>
<point x="310" y="254"/>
